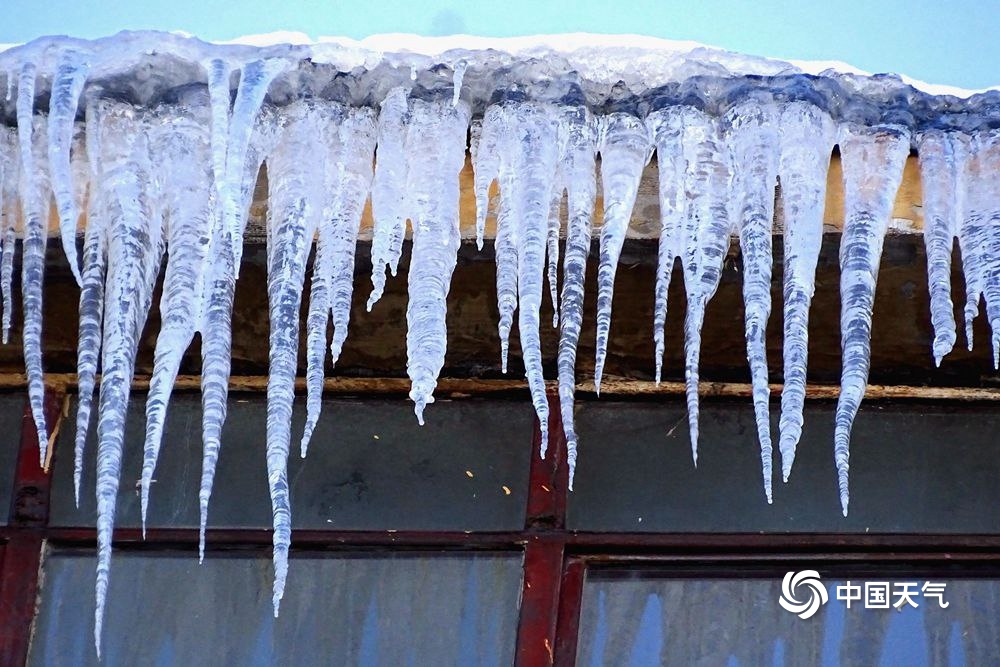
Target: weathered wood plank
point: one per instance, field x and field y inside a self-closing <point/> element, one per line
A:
<point x="376" y="345"/>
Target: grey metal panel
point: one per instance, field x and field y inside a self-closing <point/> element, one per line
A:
<point x="644" y="621"/>
<point x="11" y="416"/>
<point x="914" y="468"/>
<point x="165" y="609"/>
<point x="370" y="466"/>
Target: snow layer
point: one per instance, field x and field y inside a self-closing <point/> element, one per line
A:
<point x="160" y="138"/>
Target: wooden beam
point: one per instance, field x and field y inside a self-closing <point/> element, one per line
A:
<point x="376" y="346"/>
<point x="458" y="388"/>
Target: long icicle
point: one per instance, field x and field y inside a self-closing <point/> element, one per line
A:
<point x="942" y="157"/>
<point x="667" y="132"/>
<point x="219" y="286"/>
<point x="873" y="160"/>
<point x="350" y="146"/>
<point x="70" y="77"/>
<point x="34" y="209"/>
<point x="183" y="177"/>
<point x="134" y="249"/>
<point x="436" y="143"/>
<point x="625" y="149"/>
<point x="9" y="177"/>
<point x="389" y="196"/>
<point x="752" y="136"/>
<point x="531" y="146"/>
<point x="579" y="168"/>
<point x="505" y="244"/>
<point x="486" y="167"/>
<point x="293" y="219"/>
<point x="807" y="137"/>
<point x="95" y="248"/>
<point x="983" y="213"/>
<point x="707" y="231"/>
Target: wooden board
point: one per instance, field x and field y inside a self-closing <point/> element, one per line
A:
<point x="376" y="344"/>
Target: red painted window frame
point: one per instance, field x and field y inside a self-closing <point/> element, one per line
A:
<point x="555" y="559"/>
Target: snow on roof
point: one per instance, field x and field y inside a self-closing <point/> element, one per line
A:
<point x="637" y="60"/>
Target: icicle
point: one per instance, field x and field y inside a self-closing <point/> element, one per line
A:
<point x="529" y="160"/>
<point x="436" y="142"/>
<point x="34" y="208"/>
<point x="95" y="246"/>
<point x="350" y="146"/>
<point x="134" y="251"/>
<point x="753" y="141"/>
<point x="389" y="196"/>
<point x="552" y="248"/>
<point x="706" y="235"/>
<point x="8" y="215"/>
<point x="79" y="165"/>
<point x="219" y="286"/>
<point x="625" y="150"/>
<point x="942" y="159"/>
<point x="353" y="178"/>
<point x="71" y="74"/>
<point x="320" y="301"/>
<point x="807" y="137"/>
<point x="973" y="240"/>
<point x="458" y="75"/>
<point x="220" y="73"/>
<point x="579" y="173"/>
<point x="667" y="132"/>
<point x="231" y="136"/>
<point x="486" y="164"/>
<point x="982" y="218"/>
<point x="293" y="217"/>
<point x="496" y="135"/>
<point x="182" y="178"/>
<point x="873" y="160"/>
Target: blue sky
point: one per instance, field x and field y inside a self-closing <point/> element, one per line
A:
<point x="948" y="42"/>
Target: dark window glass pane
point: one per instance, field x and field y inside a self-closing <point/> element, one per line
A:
<point x="659" y="621"/>
<point x="11" y="414"/>
<point x="914" y="468"/>
<point x="370" y="466"/>
<point x="407" y="609"/>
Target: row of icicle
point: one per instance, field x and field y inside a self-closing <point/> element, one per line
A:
<point x="178" y="180"/>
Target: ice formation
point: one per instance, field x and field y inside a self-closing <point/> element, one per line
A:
<point x="806" y="140"/>
<point x="873" y="159"/>
<point x="696" y="227"/>
<point x="579" y="170"/>
<point x="160" y="139"/>
<point x="625" y="148"/>
<point x="752" y="129"/>
<point x="528" y="146"/>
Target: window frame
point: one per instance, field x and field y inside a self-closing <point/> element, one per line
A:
<point x="555" y="560"/>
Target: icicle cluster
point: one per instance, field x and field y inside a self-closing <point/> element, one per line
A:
<point x="171" y="174"/>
